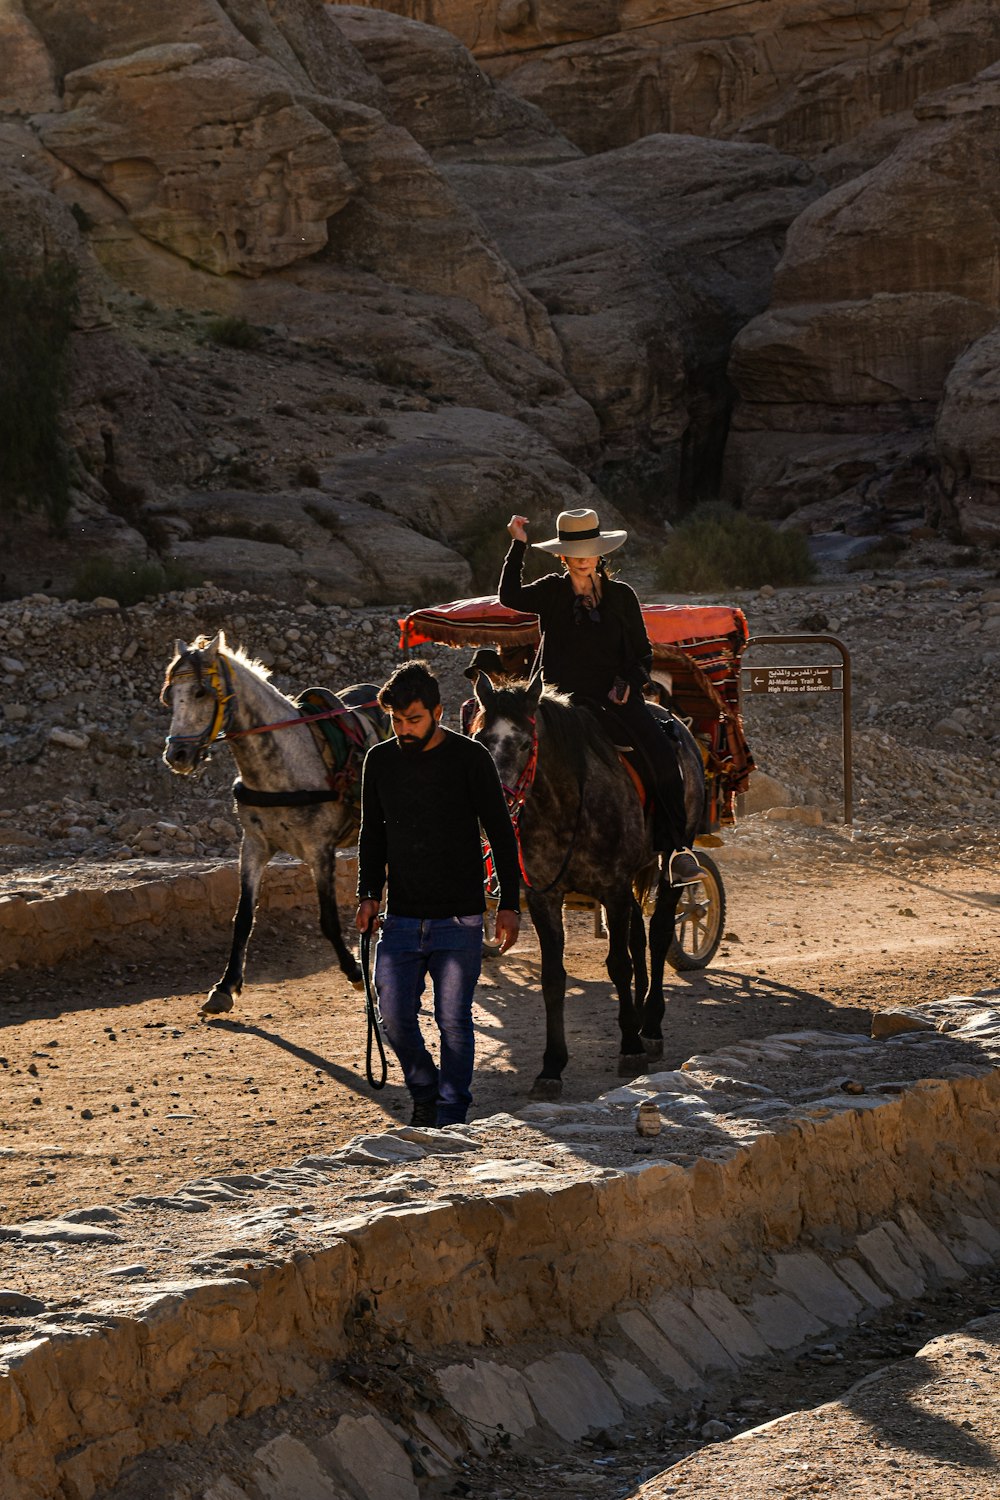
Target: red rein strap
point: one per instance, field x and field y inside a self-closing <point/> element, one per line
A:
<point x="333" y="713"/>
<point x="516" y="798"/>
<point x="517" y="795"/>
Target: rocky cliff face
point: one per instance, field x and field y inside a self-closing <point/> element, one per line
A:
<point x="356" y="281"/>
<point x="803" y="75"/>
<point x="885" y="282"/>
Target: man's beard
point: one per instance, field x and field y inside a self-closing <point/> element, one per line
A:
<point x="413" y="744"/>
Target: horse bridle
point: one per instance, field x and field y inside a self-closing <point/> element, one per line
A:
<point x="220" y="680"/>
<point x="518" y="794"/>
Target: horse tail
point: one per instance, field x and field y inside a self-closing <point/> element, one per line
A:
<point x="645" y="881"/>
<point x="693" y="768"/>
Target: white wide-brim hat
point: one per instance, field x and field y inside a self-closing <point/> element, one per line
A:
<point x="580" y="535"/>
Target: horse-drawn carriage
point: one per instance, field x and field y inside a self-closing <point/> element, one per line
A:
<point x="696" y="662"/>
<point x="580" y="818"/>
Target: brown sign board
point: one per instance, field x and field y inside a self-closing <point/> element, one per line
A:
<point x="793" y="679"/>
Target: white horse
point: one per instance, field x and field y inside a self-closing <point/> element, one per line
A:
<point x="289" y="798"/>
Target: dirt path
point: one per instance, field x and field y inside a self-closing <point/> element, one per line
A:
<point x="113" y="1086"/>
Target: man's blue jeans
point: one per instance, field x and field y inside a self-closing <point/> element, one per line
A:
<point x="450" y="951"/>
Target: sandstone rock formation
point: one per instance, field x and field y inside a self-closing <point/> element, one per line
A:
<point x="298" y="223"/>
<point x="200" y="155"/>
<point x="28" y="79"/>
<point x="208" y="156"/>
<point x="370" y="529"/>
<point x="884" y="282"/>
<point x="436" y="90"/>
<point x="967" y="436"/>
<point x="801" y="77"/>
<point x="648" y="260"/>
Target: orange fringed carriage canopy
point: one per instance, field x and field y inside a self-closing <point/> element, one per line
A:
<point x="700" y="646"/>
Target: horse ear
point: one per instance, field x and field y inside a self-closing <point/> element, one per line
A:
<point x="534" y="689"/>
<point x="484" y="689"/>
<point x="179" y="647"/>
<point x="217" y="643"/>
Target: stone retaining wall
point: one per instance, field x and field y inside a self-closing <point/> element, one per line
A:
<point x="39" y="930"/>
<point x="683" y="1269"/>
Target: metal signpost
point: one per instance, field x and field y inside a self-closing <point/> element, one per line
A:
<point x="829" y="678"/>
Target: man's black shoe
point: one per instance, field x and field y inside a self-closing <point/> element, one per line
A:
<point x="425" y="1112"/>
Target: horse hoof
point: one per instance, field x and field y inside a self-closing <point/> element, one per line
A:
<point x="217" y="1004"/>
<point x="652" y="1046"/>
<point x="356" y="984"/>
<point x="544" y="1090"/>
<point x="631" y="1063"/>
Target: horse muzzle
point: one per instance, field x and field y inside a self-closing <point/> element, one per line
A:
<point x="181" y="758"/>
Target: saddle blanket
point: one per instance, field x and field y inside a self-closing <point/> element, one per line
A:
<point x="350" y="731"/>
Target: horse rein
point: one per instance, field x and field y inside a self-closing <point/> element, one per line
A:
<point x="221" y="682"/>
<point x="517" y="796"/>
<point x="330" y="713"/>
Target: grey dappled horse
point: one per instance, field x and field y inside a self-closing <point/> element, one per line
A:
<point x="582" y="828"/>
<point x="286" y="799"/>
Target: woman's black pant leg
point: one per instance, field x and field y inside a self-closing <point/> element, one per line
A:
<point x="659" y="753"/>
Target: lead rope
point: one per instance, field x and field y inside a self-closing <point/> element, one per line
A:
<point x="372" y="1012"/>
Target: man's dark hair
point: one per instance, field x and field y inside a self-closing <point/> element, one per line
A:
<point x="413" y="682"/>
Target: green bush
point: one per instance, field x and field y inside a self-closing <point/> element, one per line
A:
<point x="36" y="319"/>
<point x="104" y="578"/>
<point x="718" y="548"/>
<point x="234" y="333"/>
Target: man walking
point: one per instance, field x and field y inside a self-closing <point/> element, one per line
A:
<point x="425" y="794"/>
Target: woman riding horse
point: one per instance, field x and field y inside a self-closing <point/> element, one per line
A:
<point x="595" y="649"/>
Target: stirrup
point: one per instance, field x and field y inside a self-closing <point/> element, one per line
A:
<point x="683" y="868"/>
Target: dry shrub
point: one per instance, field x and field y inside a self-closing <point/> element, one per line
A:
<point x="718" y="548"/>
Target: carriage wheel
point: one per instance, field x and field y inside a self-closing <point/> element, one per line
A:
<point x="700" y="919"/>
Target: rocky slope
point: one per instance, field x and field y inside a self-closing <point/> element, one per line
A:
<point x="82" y="731"/>
<point x="352" y="283"/>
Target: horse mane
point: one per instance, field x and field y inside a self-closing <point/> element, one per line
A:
<point x="236" y="654"/>
<point x="573" y="733"/>
<point x="570" y="732"/>
<point x="240" y="655"/>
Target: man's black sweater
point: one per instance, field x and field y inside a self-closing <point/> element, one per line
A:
<point x="421" y="812"/>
